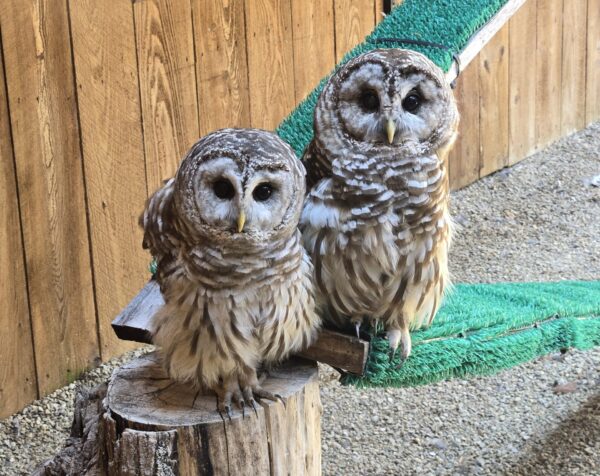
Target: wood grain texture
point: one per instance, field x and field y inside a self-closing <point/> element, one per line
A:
<point x="166" y="67"/>
<point x="463" y="160"/>
<point x="18" y="381"/>
<point x="113" y="147"/>
<point x="314" y="44"/>
<point x="221" y="64"/>
<point x="573" y="65"/>
<point x="522" y="79"/>
<point x="354" y="20"/>
<point x="270" y="61"/>
<point x="493" y="103"/>
<point x="592" y="108"/>
<point x="145" y="424"/>
<point x="548" y="71"/>
<point x="276" y="439"/>
<point x="339" y="350"/>
<point x="39" y="76"/>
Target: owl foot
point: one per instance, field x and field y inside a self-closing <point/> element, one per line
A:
<point x="264" y="394"/>
<point x="228" y="390"/>
<point x="399" y="337"/>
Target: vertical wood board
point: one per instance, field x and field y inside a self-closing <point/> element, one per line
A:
<point x="270" y="61"/>
<point x="18" y="381"/>
<point x="354" y="20"/>
<point x="548" y="71"/>
<point x="573" y="65"/>
<point x="522" y="79"/>
<point x="165" y="49"/>
<point x="39" y="76"/>
<point x="314" y="44"/>
<point x="221" y="64"/>
<point x="113" y="147"/>
<point x="493" y="103"/>
<point x="463" y="160"/>
<point x="592" y="107"/>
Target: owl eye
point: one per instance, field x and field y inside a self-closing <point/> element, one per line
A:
<point x="411" y="102"/>
<point x="262" y="192"/>
<point x="369" y="101"/>
<point x="223" y="189"/>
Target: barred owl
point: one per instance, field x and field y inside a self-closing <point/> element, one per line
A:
<point x="236" y="280"/>
<point x="376" y="218"/>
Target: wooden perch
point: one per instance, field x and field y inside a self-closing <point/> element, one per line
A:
<point x="145" y="424"/>
<point x="333" y="348"/>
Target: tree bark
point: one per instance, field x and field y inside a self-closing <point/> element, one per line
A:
<point x="146" y="424"/>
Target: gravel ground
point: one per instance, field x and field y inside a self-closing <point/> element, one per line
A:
<point x="538" y="220"/>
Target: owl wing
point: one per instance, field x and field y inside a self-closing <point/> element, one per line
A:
<point x="316" y="164"/>
<point x="161" y="235"/>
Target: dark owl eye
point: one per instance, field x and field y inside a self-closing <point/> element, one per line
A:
<point x="369" y="101"/>
<point x="411" y="102"/>
<point x="223" y="189"/>
<point x="262" y="192"/>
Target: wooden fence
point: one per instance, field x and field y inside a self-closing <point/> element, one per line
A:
<point x="100" y="99"/>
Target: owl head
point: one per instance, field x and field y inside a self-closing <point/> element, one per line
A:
<point x="390" y="98"/>
<point x="240" y="185"/>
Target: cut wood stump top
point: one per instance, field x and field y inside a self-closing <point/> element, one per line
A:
<point x="141" y="393"/>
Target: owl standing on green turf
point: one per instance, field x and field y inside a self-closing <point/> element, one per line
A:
<point x="376" y="219"/>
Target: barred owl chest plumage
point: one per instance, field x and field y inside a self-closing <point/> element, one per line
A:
<point x="376" y="219"/>
<point x="236" y="280"/>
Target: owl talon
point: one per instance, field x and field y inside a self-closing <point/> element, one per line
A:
<point x="253" y="404"/>
<point x="264" y="394"/>
<point x="392" y="354"/>
<point x="357" y="326"/>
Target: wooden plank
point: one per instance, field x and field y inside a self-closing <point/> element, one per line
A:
<point x="573" y="65"/>
<point x="493" y="103"/>
<point x="221" y="64"/>
<point x="484" y="35"/>
<point x="548" y="71"/>
<point x="340" y="351"/>
<point x="314" y="44"/>
<point x="133" y="322"/>
<point x="270" y="61"/>
<point x="18" y="382"/>
<point x="113" y="148"/>
<point x="464" y="157"/>
<point x="354" y="20"/>
<point x="592" y="107"/>
<point x="39" y="77"/>
<point x="333" y="348"/>
<point x="522" y="134"/>
<point x="166" y="66"/>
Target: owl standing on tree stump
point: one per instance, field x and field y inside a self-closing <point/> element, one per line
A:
<point x="236" y="280"/>
<point x="376" y="219"/>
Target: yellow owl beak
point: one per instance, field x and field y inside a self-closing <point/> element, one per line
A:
<point x="390" y="128"/>
<point x="241" y="221"/>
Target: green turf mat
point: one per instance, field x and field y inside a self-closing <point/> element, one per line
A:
<point x="483" y="328"/>
<point x="447" y="22"/>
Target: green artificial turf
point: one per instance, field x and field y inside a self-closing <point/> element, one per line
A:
<point x="483" y="328"/>
<point x="447" y="22"/>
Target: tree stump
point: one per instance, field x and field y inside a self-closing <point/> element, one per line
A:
<point x="147" y="424"/>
